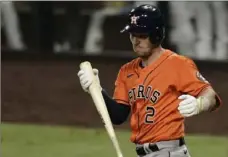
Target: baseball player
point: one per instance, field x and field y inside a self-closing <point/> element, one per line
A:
<point x="159" y="88"/>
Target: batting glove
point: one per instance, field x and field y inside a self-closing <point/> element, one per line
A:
<point x="190" y="105"/>
<point x="86" y="79"/>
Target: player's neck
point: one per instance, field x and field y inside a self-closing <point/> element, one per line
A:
<point x="156" y="53"/>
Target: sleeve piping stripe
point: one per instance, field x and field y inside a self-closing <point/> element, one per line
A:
<point x="121" y="101"/>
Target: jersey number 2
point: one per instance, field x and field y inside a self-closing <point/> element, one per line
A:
<point x="150" y="111"/>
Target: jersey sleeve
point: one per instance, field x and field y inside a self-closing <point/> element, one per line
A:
<point x="120" y="92"/>
<point x="190" y="80"/>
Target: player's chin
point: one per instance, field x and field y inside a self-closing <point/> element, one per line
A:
<point x="138" y="53"/>
<point x="141" y="53"/>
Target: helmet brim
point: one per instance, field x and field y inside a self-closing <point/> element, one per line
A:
<point x="125" y="29"/>
<point x="135" y="29"/>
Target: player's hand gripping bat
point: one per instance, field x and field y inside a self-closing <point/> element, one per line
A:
<point x="99" y="102"/>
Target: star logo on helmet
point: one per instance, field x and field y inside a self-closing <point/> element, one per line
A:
<point x="134" y="19"/>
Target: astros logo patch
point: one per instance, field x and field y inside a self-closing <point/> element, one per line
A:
<point x="134" y="19"/>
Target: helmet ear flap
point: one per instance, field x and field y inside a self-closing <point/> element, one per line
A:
<point x="156" y="37"/>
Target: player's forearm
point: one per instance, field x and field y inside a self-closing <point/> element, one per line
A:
<point x="118" y="112"/>
<point x="208" y="100"/>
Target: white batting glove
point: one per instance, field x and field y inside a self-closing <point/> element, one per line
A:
<point x="190" y="105"/>
<point x="86" y="79"/>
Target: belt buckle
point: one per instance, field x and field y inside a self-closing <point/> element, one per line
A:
<point x="146" y="149"/>
<point x="153" y="147"/>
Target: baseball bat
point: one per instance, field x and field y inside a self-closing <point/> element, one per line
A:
<point x="99" y="102"/>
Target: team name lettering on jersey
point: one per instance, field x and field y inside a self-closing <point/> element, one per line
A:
<point x="143" y="92"/>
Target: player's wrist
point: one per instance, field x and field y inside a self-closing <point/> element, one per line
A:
<point x="202" y="104"/>
<point x="199" y="104"/>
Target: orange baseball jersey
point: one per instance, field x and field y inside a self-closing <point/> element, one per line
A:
<point x="153" y="93"/>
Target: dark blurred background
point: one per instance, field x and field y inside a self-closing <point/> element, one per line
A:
<point x="43" y="43"/>
<point x="195" y="29"/>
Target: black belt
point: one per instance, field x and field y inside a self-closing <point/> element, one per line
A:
<point x="153" y="147"/>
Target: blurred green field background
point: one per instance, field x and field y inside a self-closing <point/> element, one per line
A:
<point x="55" y="141"/>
